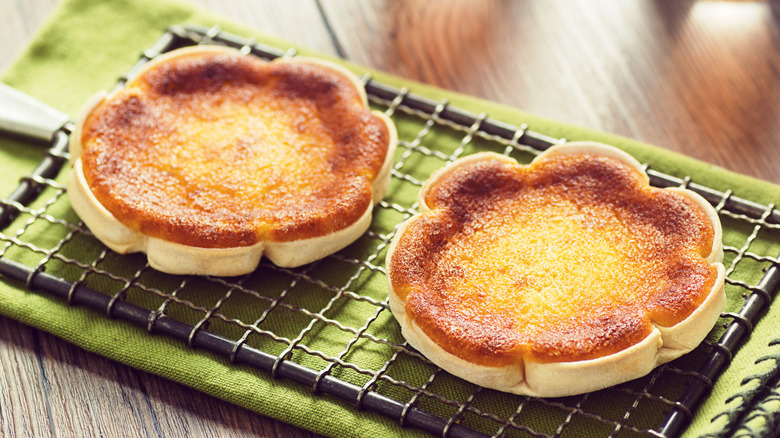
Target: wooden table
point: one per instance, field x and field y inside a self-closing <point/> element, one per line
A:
<point x="701" y="78"/>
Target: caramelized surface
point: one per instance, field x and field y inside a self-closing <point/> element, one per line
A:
<point x="224" y="150"/>
<point x="571" y="258"/>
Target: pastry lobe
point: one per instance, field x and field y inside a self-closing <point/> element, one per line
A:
<point x="208" y="159"/>
<point x="560" y="277"/>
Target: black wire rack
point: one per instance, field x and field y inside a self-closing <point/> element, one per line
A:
<point x="309" y="324"/>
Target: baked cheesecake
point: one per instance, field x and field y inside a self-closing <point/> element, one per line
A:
<point x="560" y="277"/>
<point x="208" y="159"/>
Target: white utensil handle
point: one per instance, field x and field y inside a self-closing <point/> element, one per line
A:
<point x="21" y="114"/>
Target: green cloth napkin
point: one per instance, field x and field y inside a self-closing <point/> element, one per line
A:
<point x="88" y="44"/>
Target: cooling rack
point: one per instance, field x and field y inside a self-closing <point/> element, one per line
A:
<point x="327" y="325"/>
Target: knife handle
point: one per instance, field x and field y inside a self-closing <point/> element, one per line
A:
<point x="22" y="114"/>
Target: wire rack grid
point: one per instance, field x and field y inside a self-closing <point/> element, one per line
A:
<point x="327" y="325"/>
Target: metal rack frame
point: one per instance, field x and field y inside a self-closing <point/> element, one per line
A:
<point x="716" y="354"/>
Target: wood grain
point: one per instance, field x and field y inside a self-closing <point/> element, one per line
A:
<point x="697" y="77"/>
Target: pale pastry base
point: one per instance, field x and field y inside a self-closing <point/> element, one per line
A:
<point x="558" y="379"/>
<point x="176" y="258"/>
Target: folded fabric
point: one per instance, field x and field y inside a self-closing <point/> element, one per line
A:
<point x="87" y="44"/>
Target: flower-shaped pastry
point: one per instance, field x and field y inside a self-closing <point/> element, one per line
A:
<point x="209" y="159"/>
<point x="564" y="276"/>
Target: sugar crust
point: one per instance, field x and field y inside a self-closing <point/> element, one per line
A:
<point x="176" y="258"/>
<point x="528" y="376"/>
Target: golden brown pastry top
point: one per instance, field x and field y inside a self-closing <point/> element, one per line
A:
<point x="573" y="257"/>
<point x="217" y="149"/>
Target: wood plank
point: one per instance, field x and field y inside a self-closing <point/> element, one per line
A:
<point x="698" y="78"/>
<point x="23" y="392"/>
<point x="297" y="21"/>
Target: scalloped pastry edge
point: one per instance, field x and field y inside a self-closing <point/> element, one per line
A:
<point x="176" y="258"/>
<point x="559" y="379"/>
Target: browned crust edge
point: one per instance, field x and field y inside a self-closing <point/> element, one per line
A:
<point x="557" y="379"/>
<point x="176" y="258"/>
